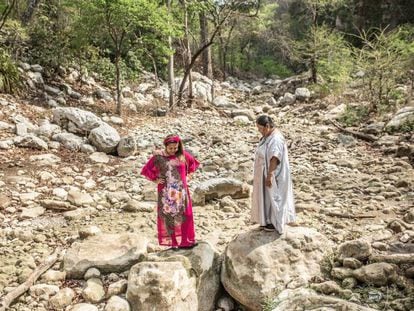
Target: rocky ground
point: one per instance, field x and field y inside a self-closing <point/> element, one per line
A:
<point x="345" y="188"/>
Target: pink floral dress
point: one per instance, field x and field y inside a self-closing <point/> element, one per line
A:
<point x="175" y="222"/>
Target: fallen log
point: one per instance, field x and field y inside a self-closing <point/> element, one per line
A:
<point x="366" y="137"/>
<point x="22" y="288"/>
<point x="349" y="216"/>
<point x="394" y="258"/>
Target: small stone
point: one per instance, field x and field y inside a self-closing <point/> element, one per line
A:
<point x="89" y="231"/>
<point x="92" y="273"/>
<point x="351" y="263"/>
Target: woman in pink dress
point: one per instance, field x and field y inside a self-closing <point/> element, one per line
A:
<point x="170" y="170"/>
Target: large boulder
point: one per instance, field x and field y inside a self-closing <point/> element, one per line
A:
<point x="69" y="140"/>
<point x="106" y="252"/>
<point x="75" y="120"/>
<point x="161" y="286"/>
<point x="205" y="262"/>
<point x="105" y="138"/>
<point x="220" y="187"/>
<point x="307" y="299"/>
<point x="259" y="264"/>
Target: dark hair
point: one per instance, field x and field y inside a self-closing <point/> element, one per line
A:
<point x="180" y="151"/>
<point x="265" y="120"/>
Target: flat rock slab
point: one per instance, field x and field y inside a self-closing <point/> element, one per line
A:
<point x="106" y="252"/>
<point x="306" y="299"/>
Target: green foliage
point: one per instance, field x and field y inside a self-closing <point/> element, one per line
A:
<point x="385" y="58"/>
<point x="325" y="51"/>
<point x="406" y="127"/>
<point x="50" y="36"/>
<point x="354" y="115"/>
<point x="104" y="68"/>
<point x="9" y="74"/>
<point x="269" y="66"/>
<point x="270" y="304"/>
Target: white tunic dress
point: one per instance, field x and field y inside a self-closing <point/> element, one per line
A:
<point x="275" y="204"/>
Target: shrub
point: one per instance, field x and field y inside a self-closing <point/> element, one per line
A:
<point x="354" y="115"/>
<point x="385" y="59"/>
<point x="9" y="74"/>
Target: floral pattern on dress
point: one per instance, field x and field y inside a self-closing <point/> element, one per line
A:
<point x="173" y="199"/>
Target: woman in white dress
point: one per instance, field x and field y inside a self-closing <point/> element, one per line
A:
<point x="272" y="198"/>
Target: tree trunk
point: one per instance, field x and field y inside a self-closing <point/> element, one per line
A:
<point x="7" y="10"/>
<point x="118" y="84"/>
<point x="207" y="64"/>
<point x="221" y="56"/>
<point x="171" y="84"/>
<point x="314" y="77"/>
<point x="31" y="7"/>
<point x="187" y="59"/>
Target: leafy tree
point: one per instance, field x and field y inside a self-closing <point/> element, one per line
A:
<point x="326" y="52"/>
<point x="126" y="25"/>
<point x="50" y="33"/>
<point x="384" y="58"/>
<point x="221" y="12"/>
<point x="314" y="36"/>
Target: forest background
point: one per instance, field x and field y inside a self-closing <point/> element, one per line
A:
<point x="332" y="42"/>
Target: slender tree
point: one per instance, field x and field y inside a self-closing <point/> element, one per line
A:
<point x="127" y="23"/>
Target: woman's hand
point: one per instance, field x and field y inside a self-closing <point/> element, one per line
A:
<point x="159" y="181"/>
<point x="189" y="177"/>
<point x="268" y="181"/>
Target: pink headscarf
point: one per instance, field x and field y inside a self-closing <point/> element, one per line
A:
<point x="172" y="139"/>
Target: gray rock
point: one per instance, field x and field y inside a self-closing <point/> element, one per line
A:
<point x="105" y="138"/>
<point x="133" y="206"/>
<point x="306" y="299"/>
<point x="358" y="249"/>
<point x="218" y="188"/>
<point x="116" y="303"/>
<point x="205" y="262"/>
<point x="48" y="130"/>
<point x="62" y="299"/>
<point x="31" y="141"/>
<point x="75" y="120"/>
<point x="117" y="288"/>
<point x="351" y="263"/>
<point x="106" y="252"/>
<point x="52" y="90"/>
<point x="378" y="274"/>
<point x="243" y="112"/>
<point x="94" y="291"/>
<point x="302" y="94"/>
<point x="167" y="285"/>
<point x="287" y="99"/>
<point x="68" y="140"/>
<point x="99" y="157"/>
<point x="80" y="198"/>
<point x="257" y="264"/>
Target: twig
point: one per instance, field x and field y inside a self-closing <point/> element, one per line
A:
<point x="22" y="288"/>
<point x="366" y="137"/>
